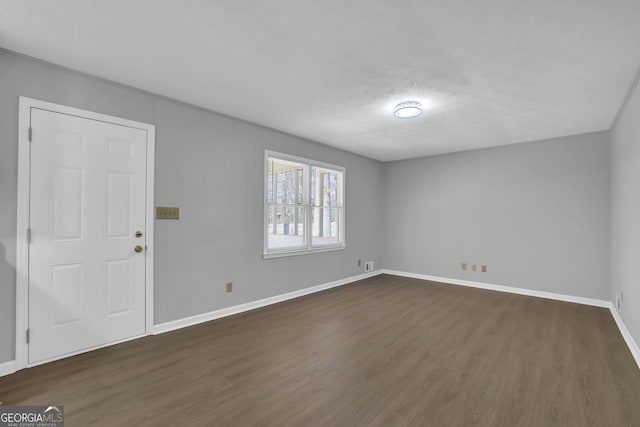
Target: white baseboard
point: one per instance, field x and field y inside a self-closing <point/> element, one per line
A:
<point x="631" y="343"/>
<point x="212" y="315"/>
<point x="633" y="346"/>
<point x="509" y="289"/>
<point x="7" y="368"/>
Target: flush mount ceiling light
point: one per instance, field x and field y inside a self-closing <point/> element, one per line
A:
<point x="408" y="109"/>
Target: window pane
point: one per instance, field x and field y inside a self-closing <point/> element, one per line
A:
<point x="304" y="205"/>
<point x="285" y="227"/>
<point x="326" y="226"/>
<point x="284" y="182"/>
<point x="324" y="187"/>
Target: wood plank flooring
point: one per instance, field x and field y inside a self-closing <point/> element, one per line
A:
<point x="386" y="351"/>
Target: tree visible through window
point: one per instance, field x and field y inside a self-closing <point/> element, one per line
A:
<point x="304" y="209"/>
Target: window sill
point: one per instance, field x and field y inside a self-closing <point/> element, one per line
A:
<point x="303" y="252"/>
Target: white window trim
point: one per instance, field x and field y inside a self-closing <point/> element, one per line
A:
<point x="308" y="249"/>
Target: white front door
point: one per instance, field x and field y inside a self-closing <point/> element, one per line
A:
<point x="87" y="216"/>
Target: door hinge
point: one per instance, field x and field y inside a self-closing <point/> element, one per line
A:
<point x="30" y="133"/>
<point x="28" y="335"/>
<point x="28" y="235"/>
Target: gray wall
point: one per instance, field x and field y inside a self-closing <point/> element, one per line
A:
<point x="537" y="214"/>
<point x="219" y="235"/>
<point x="625" y="212"/>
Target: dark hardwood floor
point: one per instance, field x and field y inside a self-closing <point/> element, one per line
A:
<point x="386" y="351"/>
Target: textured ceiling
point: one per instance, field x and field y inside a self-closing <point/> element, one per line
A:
<point x="493" y="72"/>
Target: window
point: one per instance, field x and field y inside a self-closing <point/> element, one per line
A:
<point x="304" y="206"/>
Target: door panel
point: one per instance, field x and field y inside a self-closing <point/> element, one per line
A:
<point x="68" y="204"/>
<point x="119" y="213"/>
<point x="66" y="294"/>
<point x="118" y="286"/>
<point x="88" y="195"/>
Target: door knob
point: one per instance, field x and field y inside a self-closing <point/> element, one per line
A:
<point x="138" y="249"/>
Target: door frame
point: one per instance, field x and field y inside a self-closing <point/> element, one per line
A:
<point x="22" y="246"/>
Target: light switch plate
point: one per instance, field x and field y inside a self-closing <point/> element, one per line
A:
<point x="167" y="213"/>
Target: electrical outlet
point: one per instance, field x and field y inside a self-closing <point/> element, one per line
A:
<point x="464" y="266"/>
<point x="474" y="267"/>
<point x="359" y="263"/>
<point x="368" y="266"/>
<point x="229" y="286"/>
<point x="484" y="268"/>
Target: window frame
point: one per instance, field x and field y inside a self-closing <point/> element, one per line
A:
<point x="308" y="247"/>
